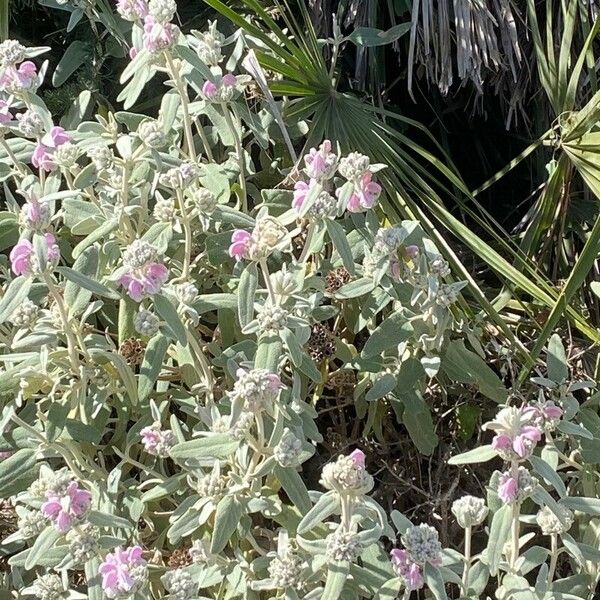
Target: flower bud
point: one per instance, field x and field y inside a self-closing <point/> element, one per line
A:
<point x="342" y="545"/>
<point x="550" y="523"/>
<point x="469" y="511"/>
<point x="151" y="133"/>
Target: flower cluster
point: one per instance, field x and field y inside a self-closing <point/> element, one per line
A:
<point x="143" y="274"/>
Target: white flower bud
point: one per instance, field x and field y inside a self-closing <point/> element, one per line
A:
<point x="102" y="157"/>
<point x="11" y="53"/>
<point x="324" y="206"/>
<point x="204" y="200"/>
<point x="353" y="166"/>
<point x="286" y="571"/>
<point x="30" y="523"/>
<point x="422" y="544"/>
<point x="164" y="210"/>
<point x="30" y="123"/>
<point x="179" y="584"/>
<point x="138" y="254"/>
<point x="469" y="511"/>
<point x="550" y="524"/>
<point x="162" y="10"/>
<point x="180" y="177"/>
<point x="151" y="133"/>
<point x="440" y="267"/>
<point x="209" y="45"/>
<point x="343" y="545"/>
<point x="186" y="292"/>
<point x="83" y="542"/>
<point x="48" y="587"/>
<point x="66" y="155"/>
<point x="25" y="315"/>
<point x="346" y="476"/>
<point x="257" y="389"/>
<point x="213" y="486"/>
<point x="272" y="319"/>
<point x="146" y="323"/>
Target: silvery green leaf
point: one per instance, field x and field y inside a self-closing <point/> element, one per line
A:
<point x="166" y="310"/>
<point x="549" y="474"/>
<point x="246" y="294"/>
<point x="556" y="360"/>
<point x="419" y="422"/>
<point x="88" y="283"/>
<point x="354" y="289"/>
<point x="17" y="472"/>
<point x="389" y="590"/>
<point x="227" y="517"/>
<point x="532" y="558"/>
<point x="461" y="364"/>
<point x="43" y="543"/>
<point x="122" y="367"/>
<point x="337" y="574"/>
<point x="576" y="429"/>
<point x="394" y="330"/>
<point x="401" y="523"/>
<point x="107" y="520"/>
<point x="435" y="582"/>
<point x="217" y="445"/>
<point x="76" y="296"/>
<point x="159" y="235"/>
<point x="15" y="294"/>
<point x="86" y="177"/>
<point x="499" y="532"/>
<point x="50" y="557"/>
<point x="431" y="365"/>
<point x="325" y="506"/>
<point x="93" y="579"/>
<point x="96" y="235"/>
<point x="152" y="364"/>
<point x="340" y="242"/>
<point x="383" y="385"/>
<point x="293" y="345"/>
<point x="294" y="487"/>
<point x="268" y="353"/>
<point x="589" y="506"/>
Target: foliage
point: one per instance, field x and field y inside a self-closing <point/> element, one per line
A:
<point x="184" y="292"/>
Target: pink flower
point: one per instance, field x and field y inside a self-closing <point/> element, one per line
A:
<point x="508" y="488"/>
<point x="240" y="243"/>
<point x="321" y="163"/>
<point x="56" y="137"/>
<point x="133" y="52"/>
<point x="22" y="257"/>
<point x="5" y="114"/>
<point x="157" y="441"/>
<point x="408" y="570"/>
<point x="42" y="159"/>
<point x="551" y="411"/>
<point x="412" y="251"/>
<point x="22" y="79"/>
<point x="229" y="80"/>
<point x="63" y="510"/>
<point x="358" y="456"/>
<point x="4" y="454"/>
<point x="157" y="35"/>
<point x="524" y="443"/>
<point x="209" y="89"/>
<point x="517" y="433"/>
<point x="365" y="195"/>
<point x="123" y="572"/>
<point x="132" y="10"/>
<point x="144" y="281"/>
<point x="301" y="191"/>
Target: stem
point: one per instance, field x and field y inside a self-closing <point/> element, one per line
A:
<point x="182" y="91"/>
<point x="12" y="157"/>
<point x="516" y="509"/>
<point x="309" y="236"/>
<point x="553" y="557"/>
<point x="204" y="139"/>
<point x="240" y="153"/>
<point x="267" y="277"/>
<point x="187" y="230"/>
<point x="71" y="342"/>
<point x="465" y="577"/>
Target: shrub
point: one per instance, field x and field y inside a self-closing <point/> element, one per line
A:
<point x="169" y="324"/>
